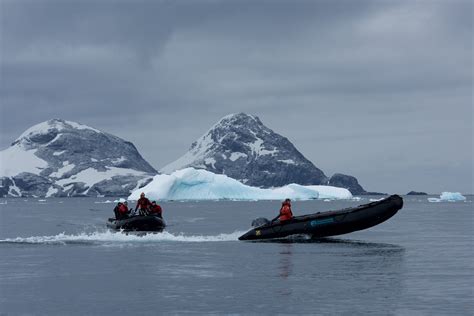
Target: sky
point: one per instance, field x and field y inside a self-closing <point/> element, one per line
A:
<point x="381" y="90"/>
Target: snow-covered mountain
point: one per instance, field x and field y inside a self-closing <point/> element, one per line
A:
<point x="241" y="147"/>
<point x="64" y="158"/>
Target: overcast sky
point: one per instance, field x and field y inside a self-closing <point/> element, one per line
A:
<point x="381" y="90"/>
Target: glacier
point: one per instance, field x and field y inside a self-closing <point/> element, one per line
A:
<point x="449" y="197"/>
<point x="198" y="184"/>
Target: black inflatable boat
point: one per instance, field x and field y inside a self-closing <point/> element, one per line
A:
<point x="331" y="223"/>
<point x="137" y="223"/>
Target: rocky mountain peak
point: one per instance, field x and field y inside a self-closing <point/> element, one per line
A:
<point x="60" y="157"/>
<point x="242" y="147"/>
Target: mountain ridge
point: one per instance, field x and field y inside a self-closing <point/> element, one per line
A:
<point x="242" y="147"/>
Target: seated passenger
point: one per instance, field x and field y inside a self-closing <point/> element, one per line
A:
<point x="121" y="210"/>
<point x="156" y="210"/>
<point x="285" y="212"/>
<point x="116" y="212"/>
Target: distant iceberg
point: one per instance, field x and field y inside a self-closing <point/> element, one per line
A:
<point x="448" y="197"/>
<point x="194" y="184"/>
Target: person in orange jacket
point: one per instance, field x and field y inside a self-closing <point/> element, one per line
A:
<point x="285" y="211"/>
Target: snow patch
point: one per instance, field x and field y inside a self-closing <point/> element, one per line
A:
<point x="210" y="161"/>
<point x="264" y="152"/>
<point x="236" y="155"/>
<point x="67" y="167"/>
<point x="15" y="160"/>
<point x="58" y="153"/>
<point x="14" y="190"/>
<point x="51" y="191"/>
<point x="288" y="161"/>
<point x="256" y="146"/>
<point x="119" y="160"/>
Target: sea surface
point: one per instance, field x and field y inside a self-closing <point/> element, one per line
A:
<point x="58" y="258"/>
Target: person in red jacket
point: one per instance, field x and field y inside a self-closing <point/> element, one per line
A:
<point x="156" y="210"/>
<point x="143" y="204"/>
<point x="285" y="212"/>
<point x="121" y="210"/>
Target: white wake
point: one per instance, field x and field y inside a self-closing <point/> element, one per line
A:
<point x="109" y="237"/>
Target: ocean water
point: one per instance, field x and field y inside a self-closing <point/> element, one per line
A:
<point x="58" y="258"/>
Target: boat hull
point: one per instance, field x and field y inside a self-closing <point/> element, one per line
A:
<point x="332" y="223"/>
<point x="137" y="223"/>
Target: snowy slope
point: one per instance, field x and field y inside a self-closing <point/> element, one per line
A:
<point x="193" y="184"/>
<point x="64" y="158"/>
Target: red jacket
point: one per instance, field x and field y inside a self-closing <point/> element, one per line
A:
<point x="156" y="209"/>
<point x="285" y="212"/>
<point x="143" y="203"/>
<point x="123" y="209"/>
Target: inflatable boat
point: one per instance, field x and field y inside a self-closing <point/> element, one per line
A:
<point x="137" y="223"/>
<point x="331" y="223"/>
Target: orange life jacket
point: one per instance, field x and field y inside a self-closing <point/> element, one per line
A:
<point x="285" y="212"/>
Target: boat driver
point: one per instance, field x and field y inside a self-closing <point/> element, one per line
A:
<point x="143" y="204"/>
<point x="285" y="213"/>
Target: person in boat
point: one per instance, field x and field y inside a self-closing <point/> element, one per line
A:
<point x="156" y="210"/>
<point x="285" y="213"/>
<point x="121" y="210"/>
<point x="143" y="205"/>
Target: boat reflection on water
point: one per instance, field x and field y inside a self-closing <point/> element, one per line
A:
<point x="357" y="269"/>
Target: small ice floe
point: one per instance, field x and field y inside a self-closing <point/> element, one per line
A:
<point x="375" y="200"/>
<point x="42" y="200"/>
<point x="3" y="202"/>
<point x="448" y="197"/>
<point x="102" y="202"/>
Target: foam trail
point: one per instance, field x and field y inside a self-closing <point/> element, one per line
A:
<point x="109" y="237"/>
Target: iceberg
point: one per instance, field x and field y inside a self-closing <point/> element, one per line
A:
<point x="331" y="193"/>
<point x="448" y="197"/>
<point x="198" y="184"/>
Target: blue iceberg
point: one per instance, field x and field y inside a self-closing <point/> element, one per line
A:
<point x="449" y="197"/>
<point x="197" y="184"/>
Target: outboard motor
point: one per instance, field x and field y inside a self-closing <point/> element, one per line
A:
<point x="260" y="222"/>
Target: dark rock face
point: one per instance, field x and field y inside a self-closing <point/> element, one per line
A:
<point x="348" y="182"/>
<point x="76" y="160"/>
<point x="241" y="147"/>
<point x="416" y="193"/>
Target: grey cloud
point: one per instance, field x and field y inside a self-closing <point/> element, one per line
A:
<point x="363" y="77"/>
